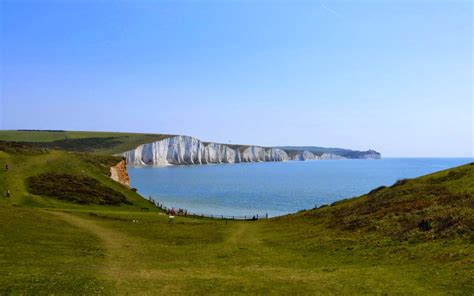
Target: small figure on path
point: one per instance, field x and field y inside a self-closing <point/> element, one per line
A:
<point x="8" y="193"/>
<point x="6" y="167"/>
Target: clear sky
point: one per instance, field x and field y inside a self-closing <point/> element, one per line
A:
<point x="394" y="76"/>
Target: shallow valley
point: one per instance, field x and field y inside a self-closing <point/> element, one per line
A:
<point x="414" y="237"/>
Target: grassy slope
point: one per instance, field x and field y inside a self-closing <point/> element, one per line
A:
<point x="354" y="246"/>
<point x="127" y="141"/>
<point x="24" y="165"/>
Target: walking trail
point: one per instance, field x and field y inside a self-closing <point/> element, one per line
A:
<point x="122" y="254"/>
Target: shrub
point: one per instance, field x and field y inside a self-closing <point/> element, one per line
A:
<point x="80" y="145"/>
<point x="373" y="191"/>
<point x="18" y="147"/>
<point x="400" y="182"/>
<point x="452" y="175"/>
<point x="424" y="225"/>
<point x="79" y="189"/>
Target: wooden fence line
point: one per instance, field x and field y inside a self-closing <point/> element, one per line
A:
<point x="211" y="216"/>
<point x="229" y="217"/>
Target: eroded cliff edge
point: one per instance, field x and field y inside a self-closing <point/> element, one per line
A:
<point x="186" y="150"/>
<point x="119" y="173"/>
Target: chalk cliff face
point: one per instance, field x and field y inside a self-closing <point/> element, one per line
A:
<point x="307" y="155"/>
<point x="184" y="150"/>
<point x="326" y="156"/>
<point x="371" y="154"/>
<point x="304" y="155"/>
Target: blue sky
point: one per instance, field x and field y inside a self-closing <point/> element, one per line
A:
<point x="394" y="76"/>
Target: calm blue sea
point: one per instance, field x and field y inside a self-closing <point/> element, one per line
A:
<point x="275" y="188"/>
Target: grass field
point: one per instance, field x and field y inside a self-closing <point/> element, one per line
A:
<point x="374" y="244"/>
<point x="106" y="143"/>
<point x="24" y="165"/>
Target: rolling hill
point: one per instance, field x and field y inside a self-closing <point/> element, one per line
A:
<point x="61" y="234"/>
<point x="104" y="143"/>
<point x="57" y="179"/>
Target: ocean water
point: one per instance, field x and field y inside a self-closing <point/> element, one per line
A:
<point x="276" y="188"/>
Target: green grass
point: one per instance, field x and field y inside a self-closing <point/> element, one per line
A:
<point x="42" y="255"/>
<point x="202" y="256"/>
<point x="25" y="166"/>
<point x="373" y="244"/>
<point x="439" y="205"/>
<point x="105" y="143"/>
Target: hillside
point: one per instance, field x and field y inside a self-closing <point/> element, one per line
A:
<point x="57" y="179"/>
<point x="415" y="237"/>
<point x="439" y="206"/>
<point x="105" y="143"/>
<point x="111" y="143"/>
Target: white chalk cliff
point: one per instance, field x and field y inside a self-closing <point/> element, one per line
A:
<point x="304" y="155"/>
<point x="307" y="155"/>
<point x="185" y="150"/>
<point x="371" y="154"/>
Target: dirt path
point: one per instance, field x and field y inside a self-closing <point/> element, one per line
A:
<point x="244" y="234"/>
<point x="122" y="255"/>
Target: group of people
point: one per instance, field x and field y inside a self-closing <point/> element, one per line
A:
<point x="170" y="211"/>
<point x="174" y="212"/>
<point x="183" y="212"/>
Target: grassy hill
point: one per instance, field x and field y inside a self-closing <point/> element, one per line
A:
<point x="415" y="237"/>
<point x="58" y="179"/>
<point x="432" y="207"/>
<point x="104" y="143"/>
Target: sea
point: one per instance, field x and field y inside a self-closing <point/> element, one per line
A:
<point x="275" y="188"/>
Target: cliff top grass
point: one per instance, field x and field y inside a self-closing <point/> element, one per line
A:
<point x="105" y="143"/>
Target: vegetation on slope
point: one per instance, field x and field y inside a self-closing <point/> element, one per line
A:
<point x="74" y="188"/>
<point x="19" y="147"/>
<point x="51" y="178"/>
<point x="81" y="145"/>
<point x="437" y="206"/>
<point x="105" y="143"/>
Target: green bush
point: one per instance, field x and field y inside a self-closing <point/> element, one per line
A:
<point x="74" y="188"/>
<point x="81" y="144"/>
<point x="18" y="147"/>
